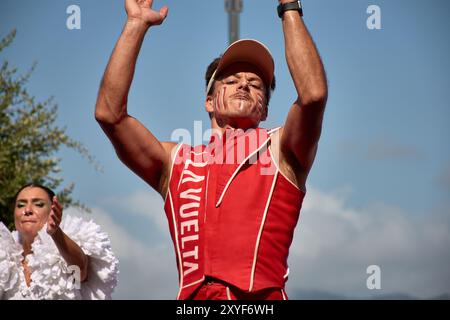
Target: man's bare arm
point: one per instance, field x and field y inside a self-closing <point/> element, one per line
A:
<point x="136" y="146"/>
<point x="301" y="132"/>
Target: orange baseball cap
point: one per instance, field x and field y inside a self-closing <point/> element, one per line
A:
<point x="251" y="51"/>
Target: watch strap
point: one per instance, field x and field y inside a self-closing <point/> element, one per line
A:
<point x="295" y="5"/>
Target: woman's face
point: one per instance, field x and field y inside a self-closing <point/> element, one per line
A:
<point x="32" y="208"/>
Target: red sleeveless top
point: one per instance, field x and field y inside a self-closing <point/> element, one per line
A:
<point x="231" y="212"/>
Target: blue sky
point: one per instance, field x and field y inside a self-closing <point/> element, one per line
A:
<point x="383" y="152"/>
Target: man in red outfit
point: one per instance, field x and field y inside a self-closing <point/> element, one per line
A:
<point x="232" y="205"/>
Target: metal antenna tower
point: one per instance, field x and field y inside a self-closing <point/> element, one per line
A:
<point x="234" y="8"/>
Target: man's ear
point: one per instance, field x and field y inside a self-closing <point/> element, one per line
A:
<point x="209" y="104"/>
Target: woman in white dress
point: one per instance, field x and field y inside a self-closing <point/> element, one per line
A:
<point x="51" y="258"/>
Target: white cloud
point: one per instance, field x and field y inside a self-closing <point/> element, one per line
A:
<point x="147" y="204"/>
<point x="334" y="244"/>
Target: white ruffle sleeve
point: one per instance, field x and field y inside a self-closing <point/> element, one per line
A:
<point x="103" y="264"/>
<point x="50" y="276"/>
<point x="10" y="259"/>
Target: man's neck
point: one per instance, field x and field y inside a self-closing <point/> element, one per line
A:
<point x="222" y="126"/>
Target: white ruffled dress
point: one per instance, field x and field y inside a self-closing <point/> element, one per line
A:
<point x="51" y="277"/>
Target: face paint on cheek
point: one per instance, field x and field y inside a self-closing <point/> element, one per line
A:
<point x="259" y="105"/>
<point x="218" y="102"/>
<point x="215" y="103"/>
<point x="241" y="105"/>
<point x="222" y="99"/>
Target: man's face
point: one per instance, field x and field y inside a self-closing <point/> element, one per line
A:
<point x="238" y="98"/>
<point x="32" y="208"/>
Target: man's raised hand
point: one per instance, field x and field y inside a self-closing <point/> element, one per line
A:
<point x="141" y="11"/>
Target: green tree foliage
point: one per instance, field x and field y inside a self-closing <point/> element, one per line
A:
<point x="29" y="140"/>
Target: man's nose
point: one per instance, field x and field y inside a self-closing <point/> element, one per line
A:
<point x="243" y="84"/>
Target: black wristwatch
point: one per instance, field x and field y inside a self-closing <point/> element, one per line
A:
<point x="283" y="7"/>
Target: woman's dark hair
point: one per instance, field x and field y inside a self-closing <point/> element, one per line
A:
<point x="49" y="191"/>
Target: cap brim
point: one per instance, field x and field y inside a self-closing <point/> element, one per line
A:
<point x="250" y="51"/>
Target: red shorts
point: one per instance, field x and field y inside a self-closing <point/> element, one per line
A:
<point x="213" y="289"/>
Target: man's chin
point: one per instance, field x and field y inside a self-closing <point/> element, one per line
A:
<point x="239" y="105"/>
